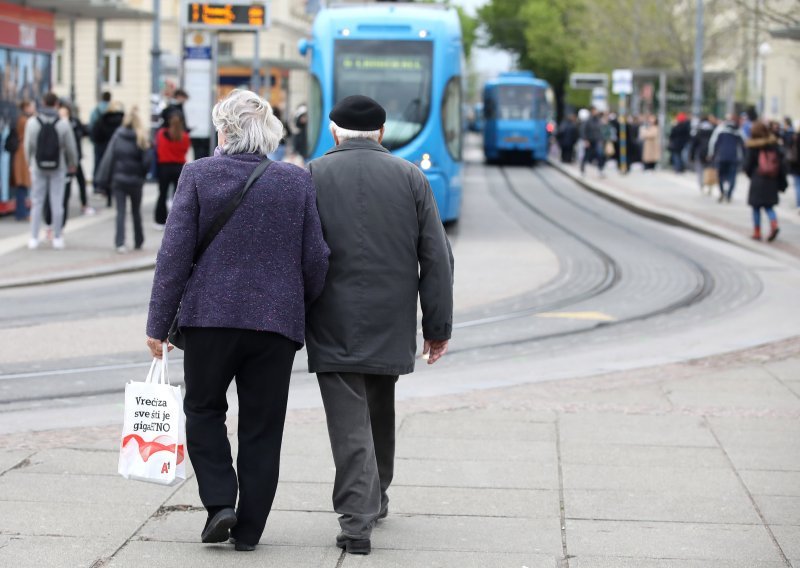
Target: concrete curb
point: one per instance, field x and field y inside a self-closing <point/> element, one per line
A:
<point x="70" y="275"/>
<point x="675" y="218"/>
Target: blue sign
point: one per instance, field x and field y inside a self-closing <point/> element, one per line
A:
<point x="200" y="52"/>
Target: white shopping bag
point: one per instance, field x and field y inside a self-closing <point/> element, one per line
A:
<point x="153" y="435"/>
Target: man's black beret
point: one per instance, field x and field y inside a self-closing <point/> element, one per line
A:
<point x="359" y="113"/>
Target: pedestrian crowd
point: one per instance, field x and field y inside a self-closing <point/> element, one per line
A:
<point x="768" y="152"/>
<point x="45" y="146"/>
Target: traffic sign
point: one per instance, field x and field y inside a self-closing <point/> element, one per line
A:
<point x="241" y="15"/>
<point x="622" y="82"/>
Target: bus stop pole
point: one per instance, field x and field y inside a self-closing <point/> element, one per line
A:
<point x="255" y="80"/>
<point x="623" y="135"/>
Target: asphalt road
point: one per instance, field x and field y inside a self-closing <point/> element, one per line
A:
<point x="551" y="282"/>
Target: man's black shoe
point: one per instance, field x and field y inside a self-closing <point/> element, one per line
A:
<point x="353" y="545"/>
<point x="242" y="546"/>
<point x="218" y="527"/>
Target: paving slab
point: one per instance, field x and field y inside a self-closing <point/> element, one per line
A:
<point x="673" y="506"/>
<point x="669" y="479"/>
<point x="789" y="540"/>
<point x="620" y="562"/>
<point x="12" y="458"/>
<point x="642" y="456"/>
<point x="779" y="397"/>
<point x="667" y="430"/>
<point x="779" y="509"/>
<point x="670" y="540"/>
<point x="520" y="503"/>
<point x="283" y="528"/>
<point x="137" y="554"/>
<point x="73" y="461"/>
<point x="25" y="551"/>
<point x="435" y="426"/>
<point x="477" y="450"/>
<point x="493" y="474"/>
<point x="71" y="519"/>
<point x="764" y="458"/>
<point x="57" y="488"/>
<point x="381" y="558"/>
<point x="307" y="468"/>
<point x="497" y="414"/>
<point x="772" y="482"/>
<point x="469" y="534"/>
<point x="786" y="369"/>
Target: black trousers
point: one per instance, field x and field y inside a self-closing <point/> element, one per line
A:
<point x="168" y="175"/>
<point x="121" y="196"/>
<point x="359" y="409"/>
<point x="262" y="364"/>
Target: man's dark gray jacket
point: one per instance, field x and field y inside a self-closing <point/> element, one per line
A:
<point x="388" y="246"/>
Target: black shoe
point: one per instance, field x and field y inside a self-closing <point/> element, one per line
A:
<point x="353" y="545"/>
<point x="242" y="546"/>
<point x="218" y="527"/>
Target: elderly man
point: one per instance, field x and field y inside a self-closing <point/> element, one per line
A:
<point x="387" y="246"/>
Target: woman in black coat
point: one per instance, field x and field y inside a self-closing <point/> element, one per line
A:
<point x="103" y="130"/>
<point x="122" y="173"/>
<point x="766" y="167"/>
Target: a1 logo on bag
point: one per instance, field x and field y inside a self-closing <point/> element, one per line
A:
<point x="153" y="435"/>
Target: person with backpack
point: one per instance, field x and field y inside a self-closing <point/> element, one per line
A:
<point x="793" y="151"/>
<point x="764" y="164"/>
<point x="20" y="173"/>
<point x="51" y="152"/>
<point x="123" y="170"/>
<point x="698" y="153"/>
<point x="726" y="148"/>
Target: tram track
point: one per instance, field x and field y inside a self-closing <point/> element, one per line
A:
<point x="607" y="274"/>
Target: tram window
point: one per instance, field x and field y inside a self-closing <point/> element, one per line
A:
<point x="397" y="74"/>
<point x="314" y="114"/>
<point x="451" y="117"/>
<point x="515" y="102"/>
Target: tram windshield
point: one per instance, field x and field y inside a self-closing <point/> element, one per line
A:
<point x="515" y="102"/>
<point x="397" y="74"/>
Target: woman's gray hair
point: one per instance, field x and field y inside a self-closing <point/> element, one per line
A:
<point x="344" y="134"/>
<point x="248" y="124"/>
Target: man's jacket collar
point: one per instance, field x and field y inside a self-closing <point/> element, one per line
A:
<point x="357" y="144"/>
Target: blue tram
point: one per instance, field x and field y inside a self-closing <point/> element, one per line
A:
<point x="517" y="109"/>
<point x="410" y="60"/>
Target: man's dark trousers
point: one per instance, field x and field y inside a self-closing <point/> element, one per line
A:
<point x="360" y="412"/>
<point x="262" y="364"/>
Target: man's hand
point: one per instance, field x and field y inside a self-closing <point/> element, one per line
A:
<point x="434" y="350"/>
<point x="156" y="348"/>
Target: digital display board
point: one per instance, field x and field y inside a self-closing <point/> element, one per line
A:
<point x="226" y="15"/>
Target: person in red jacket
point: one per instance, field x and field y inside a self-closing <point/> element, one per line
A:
<point x="172" y="143"/>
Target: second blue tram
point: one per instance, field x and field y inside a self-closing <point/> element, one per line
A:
<point x="517" y="115"/>
<point x="410" y="60"/>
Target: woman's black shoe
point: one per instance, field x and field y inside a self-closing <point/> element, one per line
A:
<point x="218" y="527"/>
<point x="353" y="545"/>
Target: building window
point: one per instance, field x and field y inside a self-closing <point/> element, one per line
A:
<point x="225" y="49"/>
<point x="112" y="63"/>
<point x="58" y="58"/>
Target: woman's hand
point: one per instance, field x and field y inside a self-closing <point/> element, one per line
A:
<point x="156" y="347"/>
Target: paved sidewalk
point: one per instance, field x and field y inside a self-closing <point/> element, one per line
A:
<point x="676" y="198"/>
<point x="690" y="465"/>
<point x="90" y="249"/>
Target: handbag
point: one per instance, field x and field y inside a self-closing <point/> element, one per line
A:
<point x="153" y="441"/>
<point x="609" y="148"/>
<point x="175" y="335"/>
<point x="710" y="176"/>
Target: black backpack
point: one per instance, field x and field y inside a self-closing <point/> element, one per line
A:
<point x="12" y="142"/>
<point x="48" y="147"/>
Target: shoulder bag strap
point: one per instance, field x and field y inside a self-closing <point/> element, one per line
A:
<point x="226" y="213"/>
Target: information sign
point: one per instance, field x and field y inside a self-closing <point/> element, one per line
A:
<point x="228" y="15"/>
<point x="622" y="82"/>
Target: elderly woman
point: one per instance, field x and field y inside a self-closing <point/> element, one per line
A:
<point x="242" y="309"/>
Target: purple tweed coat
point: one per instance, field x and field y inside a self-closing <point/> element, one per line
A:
<point x="261" y="271"/>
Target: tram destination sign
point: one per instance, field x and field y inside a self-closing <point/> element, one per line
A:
<point x="227" y="15"/>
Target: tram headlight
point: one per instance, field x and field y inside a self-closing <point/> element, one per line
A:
<point x="423" y="33"/>
<point x="345" y="32"/>
<point x="425" y="163"/>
